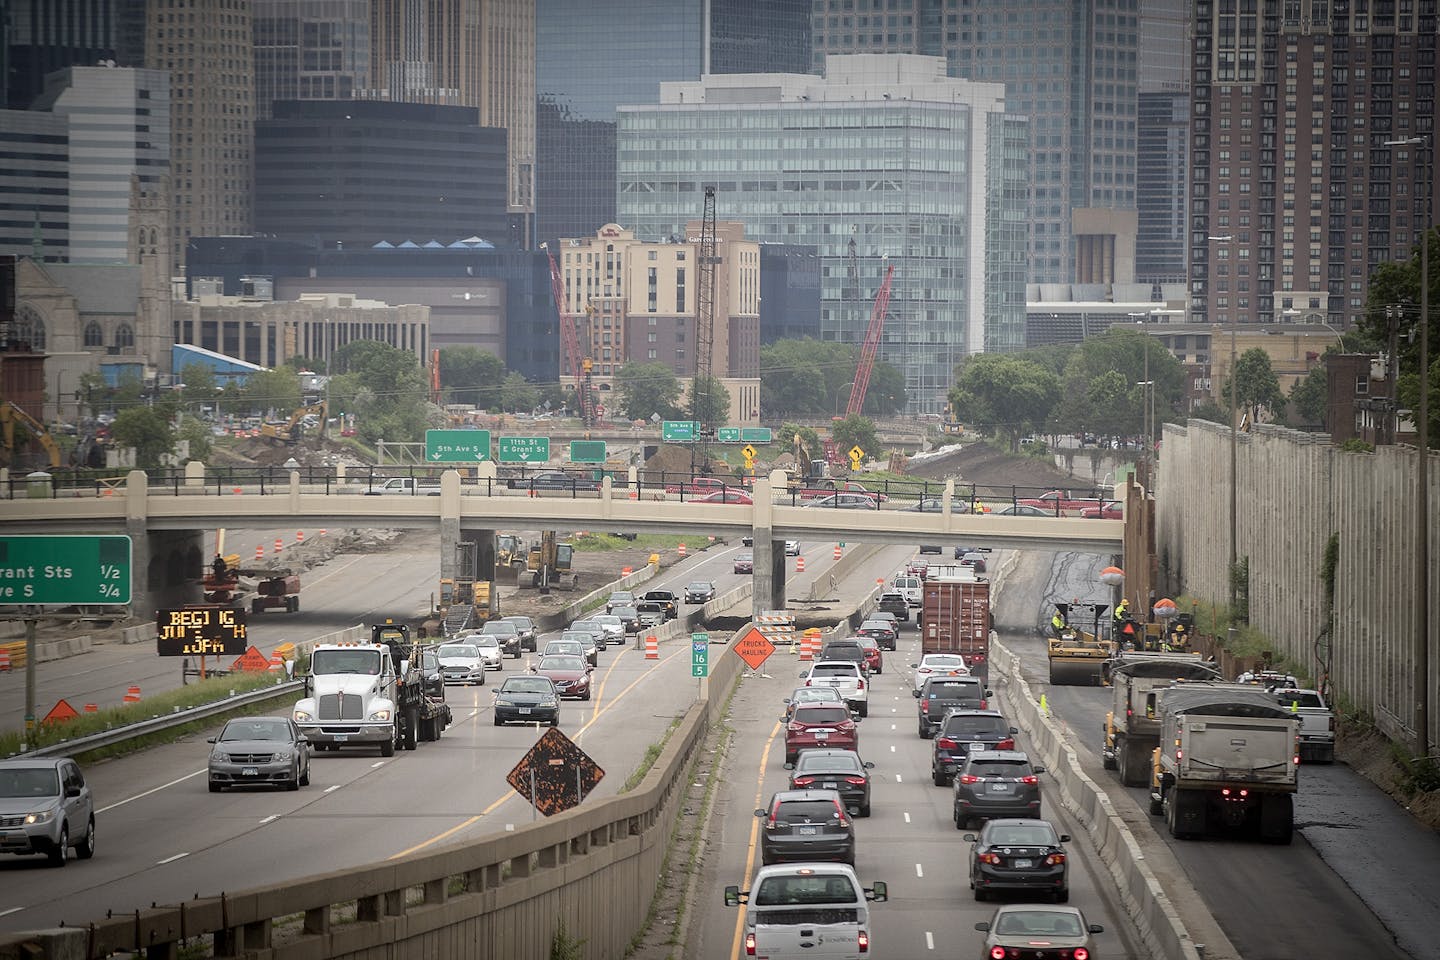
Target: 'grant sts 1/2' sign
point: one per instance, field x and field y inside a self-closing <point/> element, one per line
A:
<point x="64" y="569"/>
<point x="200" y="632"/>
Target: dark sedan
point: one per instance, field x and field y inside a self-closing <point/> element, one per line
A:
<point x="1019" y="855"/>
<point x="527" y="699"/>
<point x="840" y="770"/>
<point x="554" y="480"/>
<point x="962" y="731"/>
<point x="806" y="826"/>
<point x="570" y="674"/>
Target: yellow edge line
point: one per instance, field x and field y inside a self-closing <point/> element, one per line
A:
<point x="738" y="943"/>
<point x="599" y="712"/>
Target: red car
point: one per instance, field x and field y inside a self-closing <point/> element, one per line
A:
<point x="570" y="674"/>
<point x="873" y="661"/>
<point x="820" y="725"/>
<point x="727" y="495"/>
<point x="1110" y="510"/>
<point x="696" y="487"/>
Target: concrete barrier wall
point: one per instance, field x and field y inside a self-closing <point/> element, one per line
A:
<point x="1295" y="490"/>
<point x="1144" y="899"/>
<point x="596" y="866"/>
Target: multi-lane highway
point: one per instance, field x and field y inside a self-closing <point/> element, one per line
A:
<point x="162" y="837"/>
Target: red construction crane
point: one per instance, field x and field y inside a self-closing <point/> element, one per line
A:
<point x="435" y="395"/>
<point x="570" y="340"/>
<point x="871" y="346"/>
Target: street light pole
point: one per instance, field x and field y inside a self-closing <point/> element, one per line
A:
<point x="1422" y="450"/>
<point x="1234" y="443"/>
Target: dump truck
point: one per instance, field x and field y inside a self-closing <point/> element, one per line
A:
<point x="1077" y="654"/>
<point x="954" y="617"/>
<point x="1228" y="757"/>
<point x="1132" y="727"/>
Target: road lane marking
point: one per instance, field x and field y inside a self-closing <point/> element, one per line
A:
<point x="139" y="796"/>
<point x="892" y="726"/>
<point x="377" y="764"/>
<point x="919" y="871"/>
<point x="511" y="793"/>
<point x="892" y="748"/>
<point x="929" y="940"/>
<point x="897" y="779"/>
<point x="177" y="856"/>
<point x="270" y="819"/>
<point x="332" y="789"/>
<point x="737" y="942"/>
<point x="6" y="913"/>
<point x="907" y="816"/>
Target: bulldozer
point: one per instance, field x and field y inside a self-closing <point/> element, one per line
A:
<point x="549" y="564"/>
<point x="1078" y="656"/>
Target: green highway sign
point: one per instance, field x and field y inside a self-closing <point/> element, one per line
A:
<point x="699" y="654"/>
<point x="728" y="434"/>
<point x="588" y="451"/>
<point x="755" y="434"/>
<point x="524" y="449"/>
<point x="457" y="446"/>
<point x="64" y="569"/>
<point x="677" y="431"/>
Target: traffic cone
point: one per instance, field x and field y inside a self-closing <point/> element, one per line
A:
<point x="237" y="491"/>
<point x="806" y="654"/>
<point x="259" y="552"/>
<point x="322" y="531"/>
<point x="5" y="659"/>
<point x="652" y="647"/>
<point x="299" y="536"/>
<point x="799" y="564"/>
<point x="680" y="550"/>
<point x="92" y="708"/>
<point x="277" y="662"/>
<point x="838" y="551"/>
<point x="279" y="545"/>
<point x="626" y="571"/>
<point x="132" y="695"/>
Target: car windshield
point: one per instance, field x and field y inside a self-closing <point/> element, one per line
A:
<point x="697" y="587"/>
<point x="521" y="623"/>
<point x="892" y="598"/>
<point x="562" y="663"/>
<point x="572" y="648"/>
<point x="258" y="729"/>
<point x="625" y="613"/>
<point x="1043" y="922"/>
<point x="1039" y="835"/>
<point x="459" y="650"/>
<point x="345" y="661"/>
<point x="876" y="625"/>
<point x="1296" y="698"/>
<point x="591" y="626"/>
<point x="965" y="726"/>
<point x="805" y="811"/>
<point x="998" y="768"/>
<point x="29" y="782"/>
<point x="815" y="693"/>
<point x="829" y="763"/>
<point x="576" y="636"/>
<point x="622" y="597"/>
<point x="804" y="891"/>
<point x="942" y="663"/>
<point x="951" y="690"/>
<point x="499" y="628"/>
<point x="526" y="685"/>
<point x="821" y="714"/>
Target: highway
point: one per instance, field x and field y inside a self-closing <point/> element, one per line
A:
<point x="1273" y="902"/>
<point x="162" y="837"/>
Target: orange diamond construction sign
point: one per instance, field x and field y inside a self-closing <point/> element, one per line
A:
<point x="754" y="648"/>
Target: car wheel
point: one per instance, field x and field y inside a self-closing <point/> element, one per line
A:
<point x="938" y="777"/>
<point x="587" y="695"/>
<point x="1062" y="896"/>
<point x="498" y="721"/>
<point x="864" y="811"/>
<point x="865" y="709"/>
<point x="959" y="820"/>
<point x="60" y="855"/>
<point x="86" y="848"/>
<point x="387" y="749"/>
<point x="305" y="777"/>
<point x="981" y="895"/>
<point x="555" y="720"/>
<point x="214" y="787"/>
<point x="791" y="757"/>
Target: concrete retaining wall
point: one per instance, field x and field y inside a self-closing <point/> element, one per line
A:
<point x="1295" y="490"/>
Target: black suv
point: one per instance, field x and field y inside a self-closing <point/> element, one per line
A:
<point x="851" y="650"/>
<point x="806" y="825"/>
<point x="667" y="599"/>
<point x="996" y="783"/>
<point x="894" y="602"/>
<point x="962" y="731"/>
<point x="939" y="695"/>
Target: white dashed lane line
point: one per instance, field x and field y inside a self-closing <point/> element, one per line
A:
<point x="907" y="816"/>
<point x="929" y="940"/>
<point x="177" y="856"/>
<point x="919" y="871"/>
<point x="332" y="789"/>
<point x="273" y="817"/>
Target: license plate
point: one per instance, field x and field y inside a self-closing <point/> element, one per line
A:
<point x="830" y="786"/>
<point x="524" y="710"/>
<point x="998" y="787"/>
<point x="822" y="736"/>
<point x="249" y="772"/>
<point x="340" y="737"/>
<point x="1024" y="864"/>
<point x="977" y="746"/>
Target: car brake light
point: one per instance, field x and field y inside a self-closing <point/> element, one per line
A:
<point x="1032" y="779"/>
<point x="945" y="743"/>
<point x="847" y="726"/>
<point x="969" y="778"/>
<point x="859" y="684"/>
<point x="856" y="781"/>
<point x="1055" y="859"/>
<point x="794" y="727"/>
<point x="996" y="953"/>
<point x="862" y="940"/>
<point x="1007" y="744"/>
<point x="804" y="781"/>
<point x="749" y="944"/>
<point x="1081" y="954"/>
<point x="984" y="704"/>
<point x="989" y="857"/>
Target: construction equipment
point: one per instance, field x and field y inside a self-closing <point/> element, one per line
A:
<point x="290" y="431"/>
<point x="511" y="556"/>
<point x="1078" y="656"/>
<point x="11" y="414"/>
<point x="579" y="364"/>
<point x="871" y="346"/>
<point x="1132" y="727"/>
<point x="549" y="563"/>
<point x="465" y="600"/>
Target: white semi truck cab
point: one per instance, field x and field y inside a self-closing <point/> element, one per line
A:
<point x="351" y="700"/>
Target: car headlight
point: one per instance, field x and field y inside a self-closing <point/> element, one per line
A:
<point x="40" y="816"/>
<point x="504" y="702"/>
<point x="300" y="716"/>
<point x="219" y="756"/>
<point x="380" y="715"/>
<point x="282" y="754"/>
<point x="549" y="702"/>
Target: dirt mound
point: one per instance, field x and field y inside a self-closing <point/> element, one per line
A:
<point x="984" y="464"/>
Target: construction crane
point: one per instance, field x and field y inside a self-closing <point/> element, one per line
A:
<point x="871" y="346"/>
<point x="435" y="395"/>
<point x="701" y="408"/>
<point x="570" y="342"/>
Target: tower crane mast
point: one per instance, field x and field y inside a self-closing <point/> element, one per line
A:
<point x="871" y="346"/>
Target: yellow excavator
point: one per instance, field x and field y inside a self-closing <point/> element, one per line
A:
<point x="550" y="562"/>
<point x="12" y="414"/>
<point x="290" y="431"/>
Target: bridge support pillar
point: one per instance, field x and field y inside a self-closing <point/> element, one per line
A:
<point x="768" y="573"/>
<point x="484" y="541"/>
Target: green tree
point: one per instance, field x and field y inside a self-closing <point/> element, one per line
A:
<point x="709" y="401"/>
<point x="386" y="390"/>
<point x="1136" y="357"/>
<point x="1258" y="387"/>
<point x="1004" y="395"/>
<point x="1310" y="397"/>
<point x="856" y="430"/>
<point x="200" y="383"/>
<point x="808" y="438"/>
<point x="148" y="431"/>
<point x="274" y="391"/>
<point x="886" y="395"/>
<point x="471" y="375"/>
<point x="1395" y="285"/>
<point x="198" y="433"/>
<point x="517" y="395"/>
<point x="646" y="389"/>
<point x="1212" y="411"/>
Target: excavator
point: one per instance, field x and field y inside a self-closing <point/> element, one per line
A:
<point x="289" y="432"/>
<point x="11" y="414"/>
<point x="550" y="562"/>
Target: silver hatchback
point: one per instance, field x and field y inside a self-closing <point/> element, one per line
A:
<point x="46" y="808"/>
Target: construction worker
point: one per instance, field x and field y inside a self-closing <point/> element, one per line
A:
<point x="219" y="568"/>
<point x="1057" y="622"/>
<point x="1122" y="610"/>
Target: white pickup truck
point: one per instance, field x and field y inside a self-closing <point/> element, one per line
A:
<point x="847" y="679"/>
<point x="1317" y="722"/>
<point x="812" y="911"/>
<point x="410" y="486"/>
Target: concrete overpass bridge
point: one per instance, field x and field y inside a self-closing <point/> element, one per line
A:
<point x="167" y="522"/>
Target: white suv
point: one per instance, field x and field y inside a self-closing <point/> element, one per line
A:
<point x="847" y="679"/>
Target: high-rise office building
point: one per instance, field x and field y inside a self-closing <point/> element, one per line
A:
<point x="1071" y="68"/>
<point x="42" y="36"/>
<point x="119" y="129"/>
<point x="1289" y="121"/>
<point x="1162" y="124"/>
<point x="207" y="46"/>
<point x="593" y="55"/>
<point x="309" y="50"/>
<point x="921" y="172"/>
<point x="35" y="195"/>
<point x="472" y="53"/>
